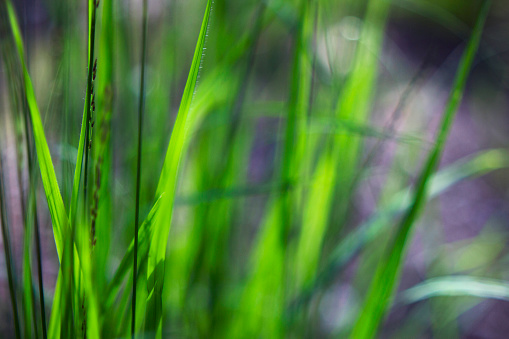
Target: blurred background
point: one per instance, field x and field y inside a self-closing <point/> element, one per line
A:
<point x="230" y="175"/>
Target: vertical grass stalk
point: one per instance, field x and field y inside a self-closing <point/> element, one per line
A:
<point x="138" y="162"/>
<point x="8" y="255"/>
<point x="92" y="68"/>
<point x="85" y="123"/>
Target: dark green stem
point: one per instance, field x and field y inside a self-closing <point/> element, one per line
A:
<point x="39" y="272"/>
<point x="33" y="206"/>
<point x="86" y="144"/>
<point x="138" y="163"/>
<point x="8" y="257"/>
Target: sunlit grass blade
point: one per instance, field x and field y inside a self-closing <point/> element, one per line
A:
<point x="261" y="304"/>
<point x="167" y="185"/>
<point x="387" y="272"/>
<point x="337" y="165"/>
<point x="60" y="323"/>
<point x="199" y="258"/>
<point x="101" y="222"/>
<point x="33" y="219"/>
<point x="197" y="252"/>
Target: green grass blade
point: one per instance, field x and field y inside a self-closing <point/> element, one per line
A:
<point x="126" y="263"/>
<point x="27" y="283"/>
<point x="49" y="179"/>
<point x="102" y="221"/>
<point x="33" y="219"/>
<point x="387" y="272"/>
<point x="62" y="300"/>
<point x="167" y="185"/>
<point x="337" y="166"/>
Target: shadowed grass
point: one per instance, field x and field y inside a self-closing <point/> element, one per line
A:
<point x="478" y="165"/>
<point x="49" y="180"/>
<point x="387" y="272"/>
<point x="8" y="256"/>
<point x="27" y="201"/>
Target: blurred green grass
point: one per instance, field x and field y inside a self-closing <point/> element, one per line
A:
<point x="282" y="153"/>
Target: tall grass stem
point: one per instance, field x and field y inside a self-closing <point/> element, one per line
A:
<point x="8" y="254"/>
<point x="138" y="162"/>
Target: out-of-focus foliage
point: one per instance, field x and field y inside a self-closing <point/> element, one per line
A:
<point x="293" y="154"/>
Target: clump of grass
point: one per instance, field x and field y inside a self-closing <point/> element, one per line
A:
<point x="218" y="251"/>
